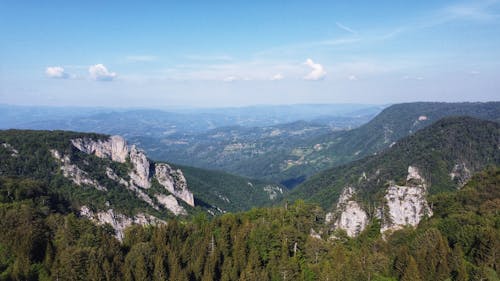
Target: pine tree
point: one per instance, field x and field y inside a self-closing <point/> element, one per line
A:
<point x="457" y="264"/>
<point x="411" y="271"/>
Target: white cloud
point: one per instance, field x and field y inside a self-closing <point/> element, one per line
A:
<point x="277" y="77"/>
<point x="345" y="28"/>
<point x="56" y="72"/>
<point x="317" y="73"/>
<point x="352" y="77"/>
<point x="100" y="73"/>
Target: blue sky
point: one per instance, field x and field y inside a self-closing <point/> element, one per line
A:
<point x="232" y="53"/>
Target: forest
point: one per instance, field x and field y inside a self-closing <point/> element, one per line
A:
<point x="42" y="239"/>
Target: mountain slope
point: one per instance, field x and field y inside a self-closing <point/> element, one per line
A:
<point x="439" y="158"/>
<point x="460" y="242"/>
<point x="105" y="178"/>
<point x="396" y="122"/>
<point x="290" y="153"/>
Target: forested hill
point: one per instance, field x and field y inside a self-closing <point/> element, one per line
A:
<point x="460" y="242"/>
<point x="444" y="155"/>
<point x="104" y="173"/>
<point x="392" y="124"/>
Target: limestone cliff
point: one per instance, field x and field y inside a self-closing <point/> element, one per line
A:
<point x="406" y="205"/>
<point x="351" y="217"/>
<point x="75" y="174"/>
<point x="116" y="149"/>
<point x="118" y="221"/>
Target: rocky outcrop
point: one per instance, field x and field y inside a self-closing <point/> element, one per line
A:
<point x="273" y="191"/>
<point x="114" y="148"/>
<point x="130" y="186"/>
<point x="140" y="173"/>
<point x="460" y="174"/>
<point x="75" y="174"/>
<point x="169" y="202"/>
<point x="174" y="181"/>
<point x="406" y="205"/>
<point x="13" y="151"/>
<point x="351" y="218"/>
<point x="119" y="222"/>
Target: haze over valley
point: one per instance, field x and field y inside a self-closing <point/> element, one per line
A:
<point x="262" y="140"/>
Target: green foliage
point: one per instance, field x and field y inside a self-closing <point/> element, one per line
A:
<point x="260" y="244"/>
<point x="434" y="150"/>
<point x="290" y="153"/>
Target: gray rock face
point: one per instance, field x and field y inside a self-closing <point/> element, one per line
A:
<point x="273" y="191"/>
<point x="174" y="181"/>
<point x="352" y="218"/>
<point x="406" y="205"/>
<point x="171" y="203"/>
<point x="115" y="148"/>
<point x="140" y="174"/>
<point x="118" y="221"/>
<point x="460" y="174"/>
<point x="14" y="152"/>
<point x="75" y="174"/>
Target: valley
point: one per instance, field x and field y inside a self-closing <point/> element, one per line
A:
<point x="411" y="161"/>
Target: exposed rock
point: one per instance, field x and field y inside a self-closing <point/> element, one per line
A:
<point x="406" y="205"/>
<point x="414" y="175"/>
<point x="111" y="175"/>
<point x="75" y="174"/>
<point x="353" y="219"/>
<point x="460" y="174"/>
<point x="223" y="198"/>
<point x="171" y="204"/>
<point x="119" y="221"/>
<point x="174" y="181"/>
<point x="13" y="151"/>
<point x="314" y="234"/>
<point x="115" y="148"/>
<point x="140" y="174"/>
<point x="273" y="191"/>
<point x="130" y="186"/>
<point x="329" y="217"/>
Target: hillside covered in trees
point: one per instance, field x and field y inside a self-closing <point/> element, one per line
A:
<point x="445" y="154"/>
<point x="41" y="239"/>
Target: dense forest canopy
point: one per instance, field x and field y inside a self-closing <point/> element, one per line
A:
<point x="42" y="240"/>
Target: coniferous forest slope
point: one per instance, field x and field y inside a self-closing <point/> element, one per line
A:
<point x="104" y="173"/>
<point x="79" y="206"/>
<point x="42" y="240"/>
<point x="443" y="156"/>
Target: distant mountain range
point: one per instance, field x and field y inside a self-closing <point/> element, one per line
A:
<point x="290" y="153"/>
<point x="257" y="142"/>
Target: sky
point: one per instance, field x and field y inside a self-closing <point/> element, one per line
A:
<point x="164" y="54"/>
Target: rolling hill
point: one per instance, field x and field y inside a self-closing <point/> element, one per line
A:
<point x="444" y="155"/>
